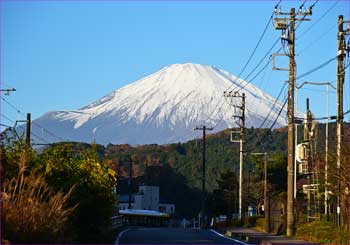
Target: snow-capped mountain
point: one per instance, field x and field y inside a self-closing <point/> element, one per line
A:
<point x="163" y="107"/>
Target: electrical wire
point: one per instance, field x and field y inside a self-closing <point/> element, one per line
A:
<point x="268" y="116"/>
<point x="33" y="134"/>
<point x="34" y="123"/>
<point x="316" y="68"/>
<point x="7" y="118"/>
<point x="316" y="40"/>
<point x="317" y="21"/>
<point x="260" y="140"/>
<point x="247" y="62"/>
<point x="255" y="48"/>
<point x="317" y="90"/>
<point x="12" y="106"/>
<point x="260" y="71"/>
<point x="40" y="138"/>
<point x="4" y="125"/>
<point x="302" y="5"/>
<point x="47" y="131"/>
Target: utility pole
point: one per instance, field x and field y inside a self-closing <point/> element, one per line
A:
<point x="326" y="161"/>
<point x="204" y="129"/>
<point x="241" y="132"/>
<point x="291" y="148"/>
<point x="340" y="116"/>
<point x="7" y="91"/>
<point x="281" y="24"/>
<point x="241" y="152"/>
<point x="307" y="141"/>
<point x="129" y="182"/>
<point x="28" y="126"/>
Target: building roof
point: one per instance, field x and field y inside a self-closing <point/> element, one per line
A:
<point x="143" y="212"/>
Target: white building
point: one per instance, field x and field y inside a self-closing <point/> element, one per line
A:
<point x="146" y="199"/>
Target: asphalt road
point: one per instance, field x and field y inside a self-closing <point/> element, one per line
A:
<point x="172" y="236"/>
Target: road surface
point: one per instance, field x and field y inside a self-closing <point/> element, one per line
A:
<point x="172" y="236"/>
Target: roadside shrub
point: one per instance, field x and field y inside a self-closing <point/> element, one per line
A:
<point x="250" y="221"/>
<point x="260" y="224"/>
<point x="323" y="232"/>
<point x="229" y="223"/>
<point x="31" y="213"/>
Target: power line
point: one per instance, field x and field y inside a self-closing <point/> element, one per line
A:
<point x="47" y="131"/>
<point x="317" y="90"/>
<point x="305" y="14"/>
<point x="274" y="104"/>
<point x="316" y="68"/>
<point x="4" y="125"/>
<point x="31" y="133"/>
<point x="256" y="75"/>
<point x="246" y="64"/>
<point x="260" y="140"/>
<point x="34" y="123"/>
<point x="13" y="107"/>
<point x="317" y="39"/>
<point x="254" y="136"/>
<point x="255" y="48"/>
<point x="318" y="20"/>
<point x="313" y="5"/>
<point x="259" y="63"/>
<point x="302" y="5"/>
<point x="43" y="140"/>
<point x="7" y="118"/>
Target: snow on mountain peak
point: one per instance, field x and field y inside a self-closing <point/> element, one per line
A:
<point x="161" y="108"/>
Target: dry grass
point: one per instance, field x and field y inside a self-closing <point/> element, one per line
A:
<point x="31" y="213"/>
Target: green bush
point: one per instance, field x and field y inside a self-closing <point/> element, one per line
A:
<point x="55" y="197"/>
<point x="323" y="232"/>
<point x="250" y="221"/>
<point x="31" y="212"/>
<point x="260" y="224"/>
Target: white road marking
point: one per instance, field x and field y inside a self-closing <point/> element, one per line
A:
<point x="120" y="235"/>
<point x="221" y="235"/>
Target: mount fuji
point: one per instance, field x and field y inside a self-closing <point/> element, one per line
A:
<point x="161" y="108"/>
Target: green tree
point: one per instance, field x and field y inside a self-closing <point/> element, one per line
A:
<point x="94" y="184"/>
<point x="228" y="192"/>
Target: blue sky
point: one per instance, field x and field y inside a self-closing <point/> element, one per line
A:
<point x="62" y="55"/>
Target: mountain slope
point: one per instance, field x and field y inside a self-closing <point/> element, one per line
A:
<point x="161" y="108"/>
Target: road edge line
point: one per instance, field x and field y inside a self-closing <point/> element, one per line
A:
<point x="120" y="236"/>
<point x="221" y="235"/>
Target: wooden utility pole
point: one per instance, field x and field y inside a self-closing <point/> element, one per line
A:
<point x="340" y="116"/>
<point x="281" y="24"/>
<point x="28" y="127"/>
<point x="204" y="129"/>
<point x="291" y="147"/>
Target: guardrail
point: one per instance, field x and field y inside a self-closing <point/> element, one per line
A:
<point x="116" y="221"/>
